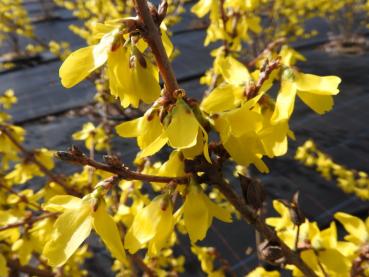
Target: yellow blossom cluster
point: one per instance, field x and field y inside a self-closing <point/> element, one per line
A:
<point x="140" y="216"/>
<point x="349" y="180"/>
<point x="321" y="249"/>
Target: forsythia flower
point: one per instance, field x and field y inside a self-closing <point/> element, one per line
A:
<point x="180" y="129"/>
<point x="8" y="99"/>
<point x="323" y="248"/>
<point x="74" y="225"/>
<point x="206" y="256"/>
<point x="229" y="94"/>
<point x="198" y="213"/>
<point x="93" y="136"/>
<point x="261" y="272"/>
<point x="315" y="91"/>
<point x="27" y="170"/>
<point x="132" y="76"/>
<point x="358" y="230"/>
<point x="247" y="134"/>
<point x="152" y="225"/>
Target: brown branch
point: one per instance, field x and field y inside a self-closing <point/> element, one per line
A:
<point x="27" y="221"/>
<point x="22" y="198"/>
<point x="152" y="36"/>
<point x="33" y="271"/>
<point x="30" y="155"/>
<point x="269" y="48"/>
<point x="267" y="69"/>
<point x="214" y="176"/>
<point x="114" y="165"/>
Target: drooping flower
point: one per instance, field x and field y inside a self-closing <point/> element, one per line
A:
<point x="132" y="75"/>
<point x="74" y="225"/>
<point x="151" y="227"/>
<point x="198" y="213"/>
<point x="315" y="91"/>
<point x="180" y="129"/>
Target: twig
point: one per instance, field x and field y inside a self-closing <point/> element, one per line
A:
<point x="27" y="221"/>
<point x="33" y="271"/>
<point x="213" y="172"/>
<point x="77" y="157"/>
<point x="22" y="198"/>
<point x="297" y="238"/>
<point x="153" y="38"/>
<point x="269" y="48"/>
<point x="30" y="155"/>
<point x="267" y="69"/>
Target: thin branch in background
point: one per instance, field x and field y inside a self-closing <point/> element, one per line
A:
<point x="30" y="155"/>
<point x="28" y="221"/>
<point x="22" y="198"/>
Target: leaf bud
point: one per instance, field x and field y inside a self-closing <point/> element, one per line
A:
<point x="253" y="192"/>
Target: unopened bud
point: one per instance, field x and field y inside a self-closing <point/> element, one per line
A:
<point x="253" y="192"/>
<point x="296" y="215"/>
<point x="113" y="160"/>
<point x="271" y="252"/>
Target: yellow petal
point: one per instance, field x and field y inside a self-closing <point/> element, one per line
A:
<point x="318" y="103"/>
<point x="129" y="129"/>
<point x="168" y="45"/>
<point x="285" y="102"/>
<point x="195" y="214"/>
<point x="353" y="225"/>
<point x="3" y="268"/>
<point x="131" y="243"/>
<point x="234" y="72"/>
<point x="154" y="147"/>
<point x="183" y="127"/>
<point x="335" y="263"/>
<point x="222" y="98"/>
<point x="145" y="223"/>
<point x="107" y="229"/>
<point x="70" y="231"/>
<point x="163" y="232"/>
<point x="323" y="85"/>
<point x="217" y="211"/>
<point x="202" y="7"/>
<point x="59" y="203"/>
<point x="80" y="64"/>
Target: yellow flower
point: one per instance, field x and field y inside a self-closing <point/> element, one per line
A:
<point x="74" y="225"/>
<point x="8" y="99"/>
<point x="180" y="129"/>
<point x="152" y="225"/>
<point x="198" y="213"/>
<point x="229" y="94"/>
<point x="261" y="272"/>
<point x="3" y="268"/>
<point x="132" y="76"/>
<point x="7" y="148"/>
<point x="93" y="136"/>
<point x="27" y="170"/>
<point x="358" y="230"/>
<point x="247" y="134"/>
<point x="315" y="91"/>
<point x="207" y="256"/>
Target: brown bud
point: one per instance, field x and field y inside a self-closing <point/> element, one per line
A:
<point x="118" y="41"/>
<point x="154" y="12"/>
<point x="296" y="215"/>
<point x="253" y="192"/>
<point x="113" y="160"/>
<point x="271" y="252"/>
<point x="162" y="11"/>
<point x="132" y="61"/>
